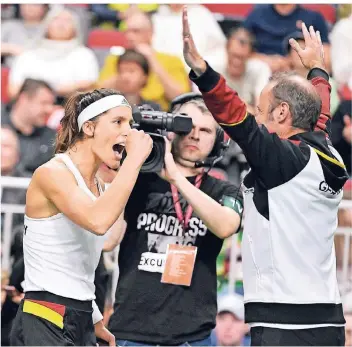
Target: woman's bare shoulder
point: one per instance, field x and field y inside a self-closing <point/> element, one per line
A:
<point x="53" y="171"/>
<point x="38" y="204"/>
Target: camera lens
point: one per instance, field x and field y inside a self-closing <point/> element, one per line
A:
<point x="152" y="156"/>
<point x="155" y="160"/>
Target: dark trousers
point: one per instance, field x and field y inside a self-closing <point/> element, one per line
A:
<point x="45" y="319"/>
<point x="325" y="336"/>
<point x="127" y="343"/>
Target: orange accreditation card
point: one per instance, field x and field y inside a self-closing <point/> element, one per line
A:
<point x="179" y="264"/>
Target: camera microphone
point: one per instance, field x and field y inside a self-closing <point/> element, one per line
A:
<point x="211" y="161"/>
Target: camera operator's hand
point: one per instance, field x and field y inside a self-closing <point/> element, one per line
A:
<point x="312" y="56"/>
<point x="190" y="53"/>
<point x="170" y="171"/>
<point x="138" y="146"/>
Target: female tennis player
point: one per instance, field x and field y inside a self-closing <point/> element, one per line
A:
<point x="67" y="215"/>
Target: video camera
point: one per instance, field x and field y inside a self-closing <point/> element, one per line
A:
<point x="156" y="124"/>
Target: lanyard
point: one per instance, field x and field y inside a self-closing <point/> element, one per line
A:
<point x="184" y="219"/>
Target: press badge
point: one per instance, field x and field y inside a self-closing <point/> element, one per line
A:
<point x="179" y="266"/>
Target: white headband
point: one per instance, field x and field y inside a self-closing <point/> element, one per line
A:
<point x="100" y="106"/>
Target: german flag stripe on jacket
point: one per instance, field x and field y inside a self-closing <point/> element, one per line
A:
<point x="49" y="311"/>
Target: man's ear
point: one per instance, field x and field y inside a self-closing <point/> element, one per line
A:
<point x="23" y="97"/>
<point x="284" y="112"/>
<point x="88" y="128"/>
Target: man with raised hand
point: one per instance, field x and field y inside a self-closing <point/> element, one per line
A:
<point x="292" y="194"/>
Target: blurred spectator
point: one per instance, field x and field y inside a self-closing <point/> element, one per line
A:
<point x="168" y="77"/>
<point x="132" y="77"/>
<point x="84" y="17"/>
<point x="248" y="76"/>
<point x="60" y="59"/>
<point x="8" y="11"/>
<point x="4" y="284"/>
<point x="18" y="34"/>
<point x="341" y="51"/>
<point x="342" y="141"/>
<point x="342" y="132"/>
<point x="14" y="295"/>
<point x="113" y="16"/>
<point x="11" y="166"/>
<point x="206" y="32"/>
<point x="17" y="239"/>
<point x="230" y="326"/>
<point x="344" y="10"/>
<point x="27" y="118"/>
<point x="272" y="23"/>
<point x="297" y="66"/>
<point x="9" y="151"/>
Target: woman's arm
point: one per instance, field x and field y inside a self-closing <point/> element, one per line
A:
<point x="58" y="186"/>
<point x="116" y="234"/>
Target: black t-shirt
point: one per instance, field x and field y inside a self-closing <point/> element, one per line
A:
<point x="147" y="310"/>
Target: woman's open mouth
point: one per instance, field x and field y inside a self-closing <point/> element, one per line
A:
<point x="118" y="149"/>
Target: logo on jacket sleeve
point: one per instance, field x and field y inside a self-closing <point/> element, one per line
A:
<point x="324" y="187"/>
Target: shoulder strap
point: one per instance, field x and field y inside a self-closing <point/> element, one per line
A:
<point x="72" y="167"/>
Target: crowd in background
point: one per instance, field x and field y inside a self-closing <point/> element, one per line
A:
<point x="50" y="51"/>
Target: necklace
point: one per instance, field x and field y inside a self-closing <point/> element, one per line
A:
<point x="88" y="183"/>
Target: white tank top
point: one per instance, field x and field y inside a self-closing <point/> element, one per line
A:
<point x="59" y="256"/>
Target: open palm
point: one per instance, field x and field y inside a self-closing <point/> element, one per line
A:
<point x="190" y="52"/>
<point x="312" y="55"/>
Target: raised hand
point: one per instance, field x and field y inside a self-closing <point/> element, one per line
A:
<point x="138" y="145"/>
<point x="313" y="53"/>
<point x="190" y="53"/>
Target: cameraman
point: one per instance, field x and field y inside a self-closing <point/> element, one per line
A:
<point x="149" y="308"/>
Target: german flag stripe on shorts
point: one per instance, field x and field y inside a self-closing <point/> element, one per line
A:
<point x="49" y="311"/>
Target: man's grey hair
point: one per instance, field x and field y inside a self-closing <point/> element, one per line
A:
<point x="304" y="102"/>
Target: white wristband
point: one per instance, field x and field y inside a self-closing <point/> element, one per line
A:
<point x="97" y="316"/>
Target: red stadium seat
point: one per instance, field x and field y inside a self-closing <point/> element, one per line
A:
<point x="4" y="84"/>
<point x="100" y="38"/>
<point x="327" y="11"/>
<point x="232" y="10"/>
